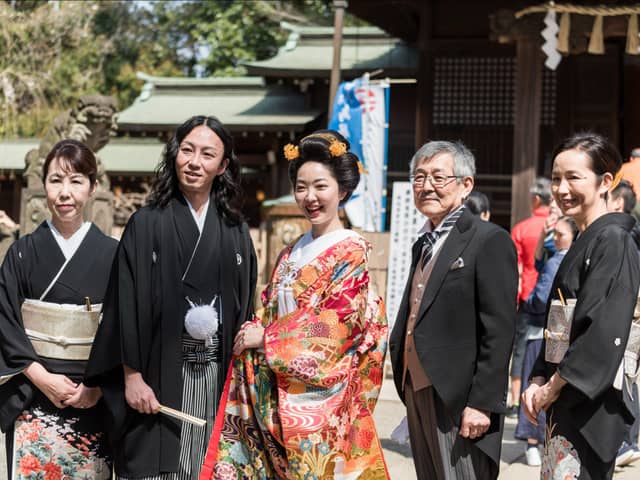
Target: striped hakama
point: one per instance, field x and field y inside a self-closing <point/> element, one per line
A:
<point x="438" y="449"/>
<point x="201" y="369"/>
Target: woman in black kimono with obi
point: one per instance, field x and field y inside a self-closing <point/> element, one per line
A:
<point x="187" y="250"/>
<point x="54" y="425"/>
<point x="583" y="390"/>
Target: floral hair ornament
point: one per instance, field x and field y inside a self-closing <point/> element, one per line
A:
<point x="616" y="181"/>
<point x="336" y="147"/>
<point x="361" y="168"/>
<point x="291" y="152"/>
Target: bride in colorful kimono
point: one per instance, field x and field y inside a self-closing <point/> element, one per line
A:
<point x="579" y="377"/>
<point x="50" y="284"/>
<point x="299" y="398"/>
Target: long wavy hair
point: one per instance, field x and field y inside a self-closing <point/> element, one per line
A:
<point x="226" y="187"/>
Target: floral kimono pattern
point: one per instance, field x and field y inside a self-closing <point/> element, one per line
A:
<point x="302" y="409"/>
<point x="560" y="460"/>
<point x="53" y="447"/>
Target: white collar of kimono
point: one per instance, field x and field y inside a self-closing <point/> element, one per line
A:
<point x="199" y="219"/>
<point x="70" y="245"/>
<point x="305" y="250"/>
<point x="308" y="248"/>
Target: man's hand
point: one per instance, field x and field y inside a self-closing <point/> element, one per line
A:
<point x="474" y="423"/>
<point x="138" y="394"/>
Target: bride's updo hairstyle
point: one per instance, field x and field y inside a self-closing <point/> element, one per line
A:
<point x="331" y="149"/>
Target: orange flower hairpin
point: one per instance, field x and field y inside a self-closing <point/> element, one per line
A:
<point x="337" y="148"/>
<point x="291" y="152"/>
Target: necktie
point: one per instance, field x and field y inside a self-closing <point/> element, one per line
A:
<point x="430" y="238"/>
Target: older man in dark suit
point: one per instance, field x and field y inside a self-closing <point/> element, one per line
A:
<point x="452" y="339"/>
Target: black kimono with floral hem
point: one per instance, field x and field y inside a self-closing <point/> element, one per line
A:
<point x="31" y="263"/>
<point x="601" y="271"/>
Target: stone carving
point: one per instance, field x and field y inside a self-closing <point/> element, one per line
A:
<point x="125" y="204"/>
<point x="93" y="122"/>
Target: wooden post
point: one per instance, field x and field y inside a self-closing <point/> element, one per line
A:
<point x="339" y="6"/>
<point x="526" y="129"/>
<point x="424" y="87"/>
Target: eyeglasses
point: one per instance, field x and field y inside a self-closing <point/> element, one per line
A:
<point x="437" y="180"/>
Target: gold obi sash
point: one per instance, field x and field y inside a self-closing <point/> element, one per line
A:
<point x="60" y="331"/>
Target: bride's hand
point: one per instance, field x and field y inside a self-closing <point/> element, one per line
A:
<point x="251" y="336"/>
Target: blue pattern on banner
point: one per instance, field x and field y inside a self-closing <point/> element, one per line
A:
<point x="387" y="92"/>
<point x="355" y="100"/>
<point x="347" y="115"/>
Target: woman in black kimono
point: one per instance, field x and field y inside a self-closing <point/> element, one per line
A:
<point x="53" y="423"/>
<point x="187" y="248"/>
<point x="582" y="390"/>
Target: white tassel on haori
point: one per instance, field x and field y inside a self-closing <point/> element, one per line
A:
<point x="201" y="321"/>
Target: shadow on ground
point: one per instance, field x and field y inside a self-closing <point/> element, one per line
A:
<point x="390" y="445"/>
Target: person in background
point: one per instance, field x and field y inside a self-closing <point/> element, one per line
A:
<point x="630" y="171"/>
<point x="564" y="233"/>
<point x="478" y="204"/>
<point x="577" y="378"/>
<point x="48" y="282"/>
<point x="546" y="246"/>
<point x="525" y="235"/>
<point x="622" y="199"/>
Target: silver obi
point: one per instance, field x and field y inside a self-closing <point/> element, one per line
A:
<point x="60" y="331"/>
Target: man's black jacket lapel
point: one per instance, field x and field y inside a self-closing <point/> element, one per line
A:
<point x="453" y="246"/>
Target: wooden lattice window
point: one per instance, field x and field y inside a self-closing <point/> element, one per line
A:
<point x="481" y="90"/>
<point x="548" y="110"/>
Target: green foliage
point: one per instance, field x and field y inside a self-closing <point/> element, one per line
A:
<point x="53" y="52"/>
<point x="139" y="44"/>
<point x="48" y="57"/>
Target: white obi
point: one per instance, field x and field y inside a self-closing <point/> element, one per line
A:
<point x="60" y="331"/>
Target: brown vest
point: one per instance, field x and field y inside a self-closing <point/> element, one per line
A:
<point x="412" y="365"/>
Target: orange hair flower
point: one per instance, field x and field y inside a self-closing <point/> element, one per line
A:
<point x="337" y="148"/>
<point x="361" y="168"/>
<point x="291" y="152"/>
